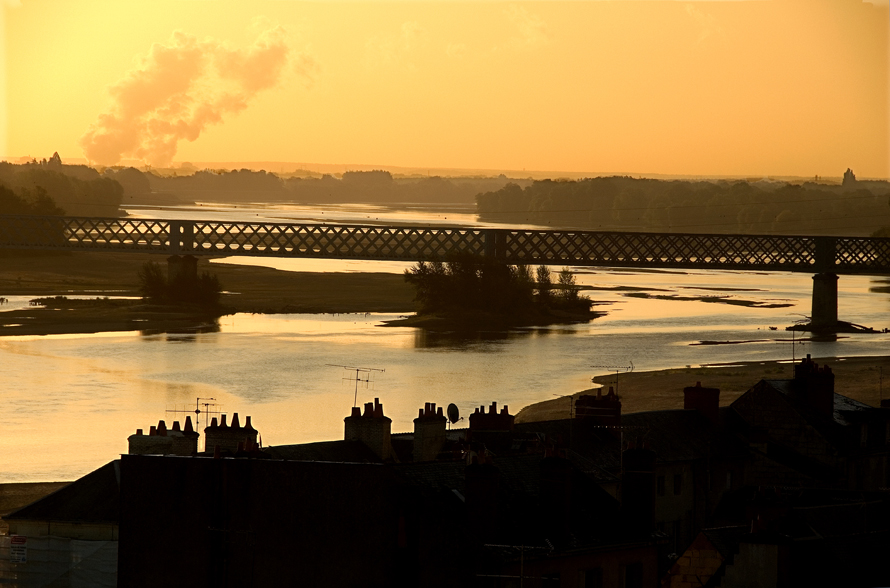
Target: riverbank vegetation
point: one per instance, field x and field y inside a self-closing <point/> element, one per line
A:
<point x="202" y="290"/>
<point x="622" y="203"/>
<point x="725" y="206"/>
<point x="49" y="187"/>
<point x="248" y="289"/>
<point x="471" y="292"/>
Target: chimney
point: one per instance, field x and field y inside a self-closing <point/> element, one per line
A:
<point x="429" y="432"/>
<point x="186" y="443"/>
<point x="228" y="437"/>
<point x="151" y="444"/>
<point x="815" y="386"/>
<point x="493" y="421"/>
<point x="638" y="490"/>
<point x="372" y="428"/>
<point x="704" y="400"/>
<point x="604" y="411"/>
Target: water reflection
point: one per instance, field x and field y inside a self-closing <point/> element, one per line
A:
<point x="181" y="334"/>
<point x="487" y="341"/>
<point x="276" y="367"/>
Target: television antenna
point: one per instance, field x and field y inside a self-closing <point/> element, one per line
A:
<point x="618" y="369"/>
<point x="210" y="408"/>
<point x="362" y="374"/>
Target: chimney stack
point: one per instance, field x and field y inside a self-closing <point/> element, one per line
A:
<point x="429" y="432"/>
<point x="815" y="386"/>
<point x="493" y="421"/>
<point x="228" y="437"/>
<point x="161" y="441"/>
<point x="704" y="400"/>
<point x="605" y="411"/>
<point x="372" y="428"/>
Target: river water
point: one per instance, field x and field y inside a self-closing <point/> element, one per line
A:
<point x="70" y="401"/>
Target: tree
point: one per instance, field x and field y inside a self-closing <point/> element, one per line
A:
<point x="568" y="287"/>
<point x="203" y="290"/>
<point x="152" y="282"/>
<point x="544" y="284"/>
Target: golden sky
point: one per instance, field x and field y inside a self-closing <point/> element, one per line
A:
<point x="771" y="87"/>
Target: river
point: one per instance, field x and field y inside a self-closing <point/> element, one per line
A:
<point x="70" y="401"/>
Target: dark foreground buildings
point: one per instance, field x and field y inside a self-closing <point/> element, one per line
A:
<point x="787" y="486"/>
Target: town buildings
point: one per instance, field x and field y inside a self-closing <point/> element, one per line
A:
<point x="788" y="483"/>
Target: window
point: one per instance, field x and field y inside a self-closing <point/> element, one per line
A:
<point x="592" y="578"/>
<point x="729" y="480"/>
<point x="678" y="483"/>
<point x="660" y="485"/>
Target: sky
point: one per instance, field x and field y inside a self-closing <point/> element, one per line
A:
<point x="734" y="88"/>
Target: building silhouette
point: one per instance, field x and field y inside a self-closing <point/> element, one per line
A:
<point x="788" y="482"/>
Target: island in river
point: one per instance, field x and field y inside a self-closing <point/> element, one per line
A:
<point x="111" y="282"/>
<point x="254" y="289"/>
<point x="248" y="289"/>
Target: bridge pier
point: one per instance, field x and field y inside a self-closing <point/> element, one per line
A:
<point x="824" y="314"/>
<point x="495" y="243"/>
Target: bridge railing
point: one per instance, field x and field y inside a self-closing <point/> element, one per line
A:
<point x="333" y="241"/>
<point x="407" y="243"/>
<point x="754" y="252"/>
<point x="61" y="232"/>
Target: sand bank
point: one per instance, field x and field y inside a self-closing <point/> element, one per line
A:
<point x="856" y="377"/>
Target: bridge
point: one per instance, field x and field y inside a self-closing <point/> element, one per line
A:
<point x="185" y="240"/>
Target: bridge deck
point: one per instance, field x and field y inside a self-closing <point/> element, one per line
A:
<point x="842" y="255"/>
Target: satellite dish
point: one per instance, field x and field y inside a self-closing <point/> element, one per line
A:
<point x="453" y="413"/>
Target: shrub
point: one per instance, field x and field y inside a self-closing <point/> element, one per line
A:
<point x="467" y="282"/>
<point x="203" y="290"/>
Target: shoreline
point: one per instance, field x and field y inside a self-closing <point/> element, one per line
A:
<point x="857" y="377"/>
<point x="247" y="289"/>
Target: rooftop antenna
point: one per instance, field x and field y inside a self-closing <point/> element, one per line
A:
<point x="210" y="408"/>
<point x="617" y="369"/>
<point x="362" y="374"/>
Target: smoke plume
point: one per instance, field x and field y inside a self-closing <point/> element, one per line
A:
<point x="178" y="89"/>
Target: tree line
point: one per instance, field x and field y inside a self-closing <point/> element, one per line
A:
<point x="246" y="185"/>
<point x="49" y="187"/>
<point x="630" y="204"/>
